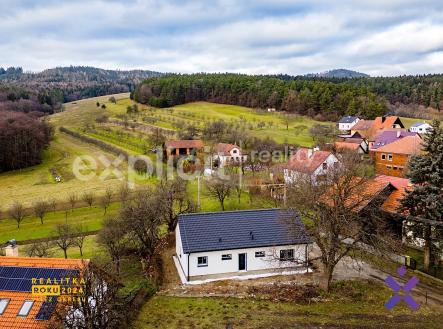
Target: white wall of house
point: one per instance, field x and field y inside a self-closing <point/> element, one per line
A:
<point x="291" y="176"/>
<point x="183" y="259"/>
<point x="364" y="146"/>
<point x="422" y="129"/>
<point x="234" y="156"/>
<point x="347" y="126"/>
<point x="217" y="265"/>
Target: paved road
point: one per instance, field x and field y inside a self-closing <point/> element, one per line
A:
<point x="349" y="268"/>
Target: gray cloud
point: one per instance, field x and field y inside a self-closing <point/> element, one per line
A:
<point x="295" y="37"/>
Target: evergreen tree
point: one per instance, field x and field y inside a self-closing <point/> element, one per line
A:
<point x="425" y="200"/>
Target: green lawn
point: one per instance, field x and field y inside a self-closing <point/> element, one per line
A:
<point x="31" y="228"/>
<point x="209" y="203"/>
<point x="37" y="183"/>
<point x="90" y="250"/>
<point x="350" y="305"/>
<point x="91" y="218"/>
<point x="408" y="122"/>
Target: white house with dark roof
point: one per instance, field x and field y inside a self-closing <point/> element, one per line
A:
<point x="224" y="245"/>
<point x="420" y="127"/>
<point x="347" y="122"/>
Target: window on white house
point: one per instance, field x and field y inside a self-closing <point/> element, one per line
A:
<point x="383" y="156"/>
<point x="227" y="257"/>
<point x="259" y="254"/>
<point x="325" y="165"/>
<point x="287" y="254"/>
<point x="202" y="261"/>
<point x="3" y="304"/>
<point x="26" y="308"/>
<point x="390" y="157"/>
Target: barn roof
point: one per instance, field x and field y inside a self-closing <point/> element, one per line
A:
<point x="191" y="143"/>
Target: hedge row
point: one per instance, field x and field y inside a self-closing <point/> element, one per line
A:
<point x="104" y="146"/>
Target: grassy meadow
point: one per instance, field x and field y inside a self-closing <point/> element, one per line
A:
<point x="350" y="304"/>
<point x="38" y="182"/>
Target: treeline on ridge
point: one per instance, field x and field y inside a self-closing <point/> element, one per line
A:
<point x="66" y="84"/>
<point x="321" y="99"/>
<point x="426" y="90"/>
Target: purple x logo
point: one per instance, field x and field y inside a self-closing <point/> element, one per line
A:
<point x="394" y="300"/>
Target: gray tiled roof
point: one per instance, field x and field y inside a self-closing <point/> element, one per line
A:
<point x="347" y="119"/>
<point x="241" y="229"/>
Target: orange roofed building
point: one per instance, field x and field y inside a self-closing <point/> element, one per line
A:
<point x="185" y="147"/>
<point x="392" y="159"/>
<point x="370" y="129"/>
<point x="19" y="308"/>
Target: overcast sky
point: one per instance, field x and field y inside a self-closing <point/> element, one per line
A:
<point x="378" y="37"/>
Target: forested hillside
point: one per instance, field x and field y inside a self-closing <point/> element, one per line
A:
<point x="22" y="140"/>
<point x="65" y="84"/>
<point x="320" y="99"/>
<point x="26" y="100"/>
<point x="426" y="90"/>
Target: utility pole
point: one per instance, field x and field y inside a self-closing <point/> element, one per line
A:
<point x="284" y="195"/>
<point x="198" y="192"/>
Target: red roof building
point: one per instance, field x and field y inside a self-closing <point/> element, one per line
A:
<point x="19" y="308"/>
<point x="392" y="159"/>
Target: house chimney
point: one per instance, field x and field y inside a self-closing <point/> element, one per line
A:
<point x="398" y="133"/>
<point x="11" y="249"/>
<point x="310" y="151"/>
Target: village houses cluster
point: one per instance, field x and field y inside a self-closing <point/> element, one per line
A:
<point x="230" y="244"/>
<point x="245" y="243"/>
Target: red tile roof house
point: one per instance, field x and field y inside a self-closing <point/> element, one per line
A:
<point x="227" y="154"/>
<point x="310" y="163"/>
<point x="19" y="307"/>
<point x="370" y="129"/>
<point x="390" y="136"/>
<point x="392" y="159"/>
<point x="350" y="146"/>
<point x="179" y="148"/>
<point x="396" y="216"/>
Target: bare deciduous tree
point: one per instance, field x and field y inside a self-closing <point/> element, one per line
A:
<point x="143" y="218"/>
<point x="106" y="199"/>
<point x="174" y="197"/>
<point x="88" y="198"/>
<point x="17" y="211"/>
<point x="219" y="188"/>
<point x="39" y="249"/>
<point x="72" y="199"/>
<point x="107" y="311"/>
<point x="78" y="237"/>
<point x="111" y="237"/>
<point x="341" y="213"/>
<point x="63" y="233"/>
<point x="39" y="209"/>
<point x="123" y="192"/>
<point x="52" y="203"/>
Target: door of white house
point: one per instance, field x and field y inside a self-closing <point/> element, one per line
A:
<point x="242" y="262"/>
